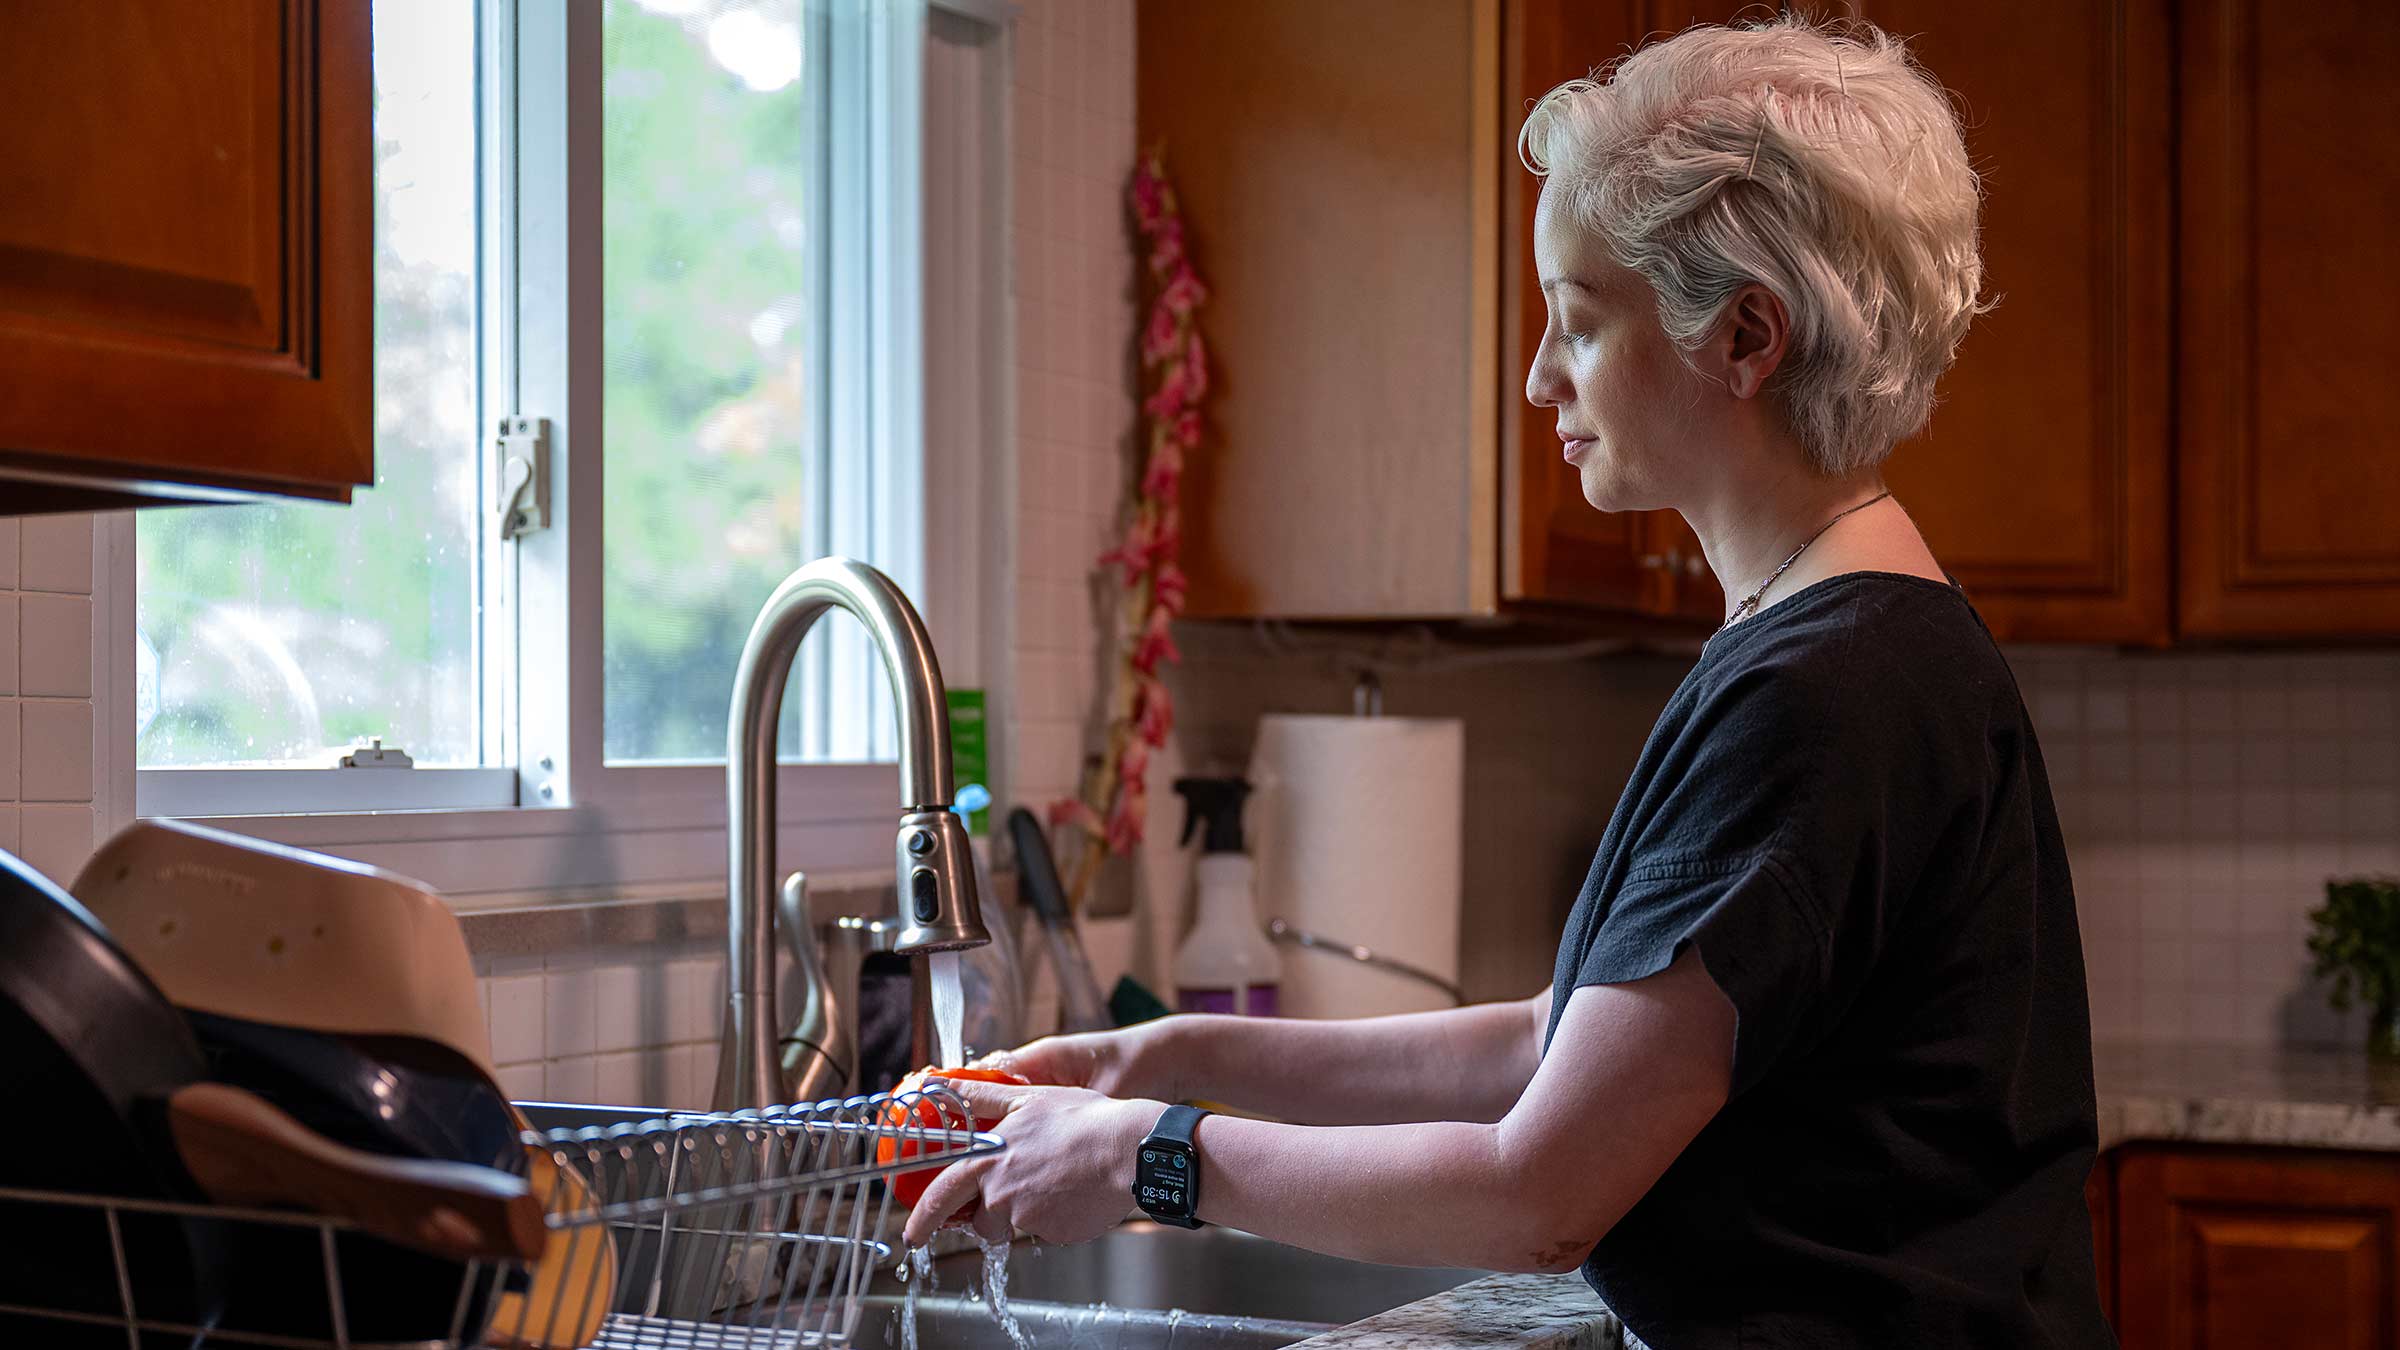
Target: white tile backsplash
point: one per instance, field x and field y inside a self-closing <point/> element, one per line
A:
<point x="47" y="757"/>
<point x="522" y="1082"/>
<point x="571" y="1079"/>
<point x="617" y="1079"/>
<point x="517" y="1027"/>
<point x="2254" y="778"/>
<point x="695" y="999"/>
<point x="55" y="837"/>
<point x="569" y="1024"/>
<point x="56" y="554"/>
<point x="59" y="664"/>
<point x="1075" y="285"/>
<point x="55" y="750"/>
<point x="9" y="642"/>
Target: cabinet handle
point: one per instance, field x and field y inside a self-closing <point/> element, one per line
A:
<point x="1657" y="562"/>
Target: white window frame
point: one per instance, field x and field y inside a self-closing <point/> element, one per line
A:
<point x="552" y="820"/>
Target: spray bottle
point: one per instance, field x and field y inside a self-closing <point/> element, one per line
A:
<point x="1227" y="965"/>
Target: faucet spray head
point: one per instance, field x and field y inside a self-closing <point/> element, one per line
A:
<point x="940" y="910"/>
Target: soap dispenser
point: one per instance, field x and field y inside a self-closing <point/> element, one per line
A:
<point x="1227" y="965"/>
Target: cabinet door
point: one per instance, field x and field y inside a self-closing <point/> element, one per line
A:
<point x="186" y="235"/>
<point x="2289" y="178"/>
<point x="1555" y="549"/>
<point x="1335" y="162"/>
<point x="2240" y="1248"/>
<point x="2042" y="482"/>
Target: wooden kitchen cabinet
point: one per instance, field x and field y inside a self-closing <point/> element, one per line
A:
<point x="2042" y="482"/>
<point x="2162" y="431"/>
<point x="1364" y="226"/>
<point x="2288" y="177"/>
<point x="1336" y="162"/>
<point x="186" y="243"/>
<point x="1556" y="551"/>
<point x="2244" y="1247"/>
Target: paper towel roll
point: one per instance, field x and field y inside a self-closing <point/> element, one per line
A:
<point x="1356" y="830"/>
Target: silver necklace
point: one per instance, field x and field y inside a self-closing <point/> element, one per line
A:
<point x="1743" y="610"/>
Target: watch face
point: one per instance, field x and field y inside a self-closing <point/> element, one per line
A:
<point x="1162" y="1180"/>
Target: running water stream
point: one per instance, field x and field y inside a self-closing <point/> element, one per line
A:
<point x="995" y="1291"/>
<point x="949" y="1011"/>
<point x="916" y="1271"/>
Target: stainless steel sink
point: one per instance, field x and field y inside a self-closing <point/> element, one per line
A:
<point x="1142" y="1286"/>
<point x="1211" y="1270"/>
<point x="957" y="1323"/>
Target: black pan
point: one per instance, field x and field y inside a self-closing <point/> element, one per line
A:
<point x="110" y="1099"/>
<point x="401" y="1096"/>
<point x="93" y="1051"/>
<point x="395" y="1096"/>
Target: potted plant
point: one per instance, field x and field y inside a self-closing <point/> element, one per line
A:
<point x="2355" y="938"/>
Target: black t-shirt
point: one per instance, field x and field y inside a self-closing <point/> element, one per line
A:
<point x="1844" y="809"/>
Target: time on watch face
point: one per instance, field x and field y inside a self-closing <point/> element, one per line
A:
<point x="1162" y="1180"/>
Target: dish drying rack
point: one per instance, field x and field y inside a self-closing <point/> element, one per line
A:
<point x="753" y="1229"/>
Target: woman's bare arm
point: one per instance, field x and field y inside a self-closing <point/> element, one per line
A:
<point x="1468" y="1063"/>
<point x="1635" y="1072"/>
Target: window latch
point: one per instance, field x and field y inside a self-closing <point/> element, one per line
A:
<point x="523" y="490"/>
<point x="376" y="757"/>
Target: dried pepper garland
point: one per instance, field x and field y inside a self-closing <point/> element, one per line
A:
<point x="1141" y="713"/>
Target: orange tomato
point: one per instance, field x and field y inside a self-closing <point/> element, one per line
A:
<point x="909" y="1187"/>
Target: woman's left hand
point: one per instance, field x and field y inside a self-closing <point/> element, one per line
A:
<point x="1066" y="1175"/>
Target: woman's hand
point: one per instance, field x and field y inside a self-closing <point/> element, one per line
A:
<point x="1113" y="1063"/>
<point x="1066" y="1176"/>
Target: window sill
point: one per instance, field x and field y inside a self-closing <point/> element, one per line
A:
<point x="543" y="931"/>
<point x="664" y="842"/>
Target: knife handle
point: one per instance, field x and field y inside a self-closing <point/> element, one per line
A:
<point x="243" y="1150"/>
<point x="1037" y="870"/>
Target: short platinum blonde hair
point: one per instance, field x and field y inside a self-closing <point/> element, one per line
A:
<point x="1816" y="160"/>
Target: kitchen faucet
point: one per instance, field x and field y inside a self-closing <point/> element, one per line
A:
<point x="938" y="909"/>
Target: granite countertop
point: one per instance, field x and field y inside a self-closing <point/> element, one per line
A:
<point x="2246" y="1094"/>
<point x="1503" y="1312"/>
<point x="2227" y="1094"/>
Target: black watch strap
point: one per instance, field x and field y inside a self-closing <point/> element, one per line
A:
<point x="1166" y="1170"/>
<point x="1176" y="1123"/>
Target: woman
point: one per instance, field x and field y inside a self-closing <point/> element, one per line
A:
<point x="1815" y="1065"/>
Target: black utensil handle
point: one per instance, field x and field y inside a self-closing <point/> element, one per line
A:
<point x="241" y="1150"/>
<point x="1037" y="871"/>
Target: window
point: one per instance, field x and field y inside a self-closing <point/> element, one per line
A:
<point x="738" y="232"/>
<point x="695" y="225"/>
<point x="283" y="635"/>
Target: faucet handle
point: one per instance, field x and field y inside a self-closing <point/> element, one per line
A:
<point x="791" y="915"/>
<point x="852" y="932"/>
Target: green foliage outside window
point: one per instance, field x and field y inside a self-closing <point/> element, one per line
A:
<point x="712" y="395"/>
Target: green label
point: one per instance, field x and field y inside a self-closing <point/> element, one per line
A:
<point x="970" y="759"/>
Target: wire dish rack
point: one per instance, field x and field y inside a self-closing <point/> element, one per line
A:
<point x="689" y="1232"/>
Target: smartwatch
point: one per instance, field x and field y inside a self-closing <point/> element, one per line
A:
<point x="1166" y="1169"/>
